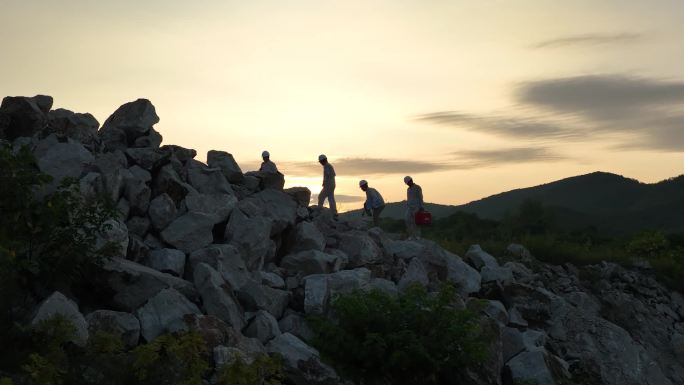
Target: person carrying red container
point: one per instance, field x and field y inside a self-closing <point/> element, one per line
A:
<point x="414" y="205"/>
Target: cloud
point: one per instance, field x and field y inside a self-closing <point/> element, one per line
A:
<point x="589" y="40"/>
<point x="516" y="127"/>
<point x="509" y="155"/>
<point x="341" y="198"/>
<point x="367" y="166"/>
<point x="606" y="97"/>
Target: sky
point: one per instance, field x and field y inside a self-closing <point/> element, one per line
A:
<point x="470" y="98"/>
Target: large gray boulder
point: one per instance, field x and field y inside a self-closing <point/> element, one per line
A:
<point x="148" y="158"/>
<point x="206" y="180"/>
<point x="133" y="284"/>
<point x="254" y="296"/>
<point x="162" y="211"/>
<point x="227" y="164"/>
<point x="122" y="325"/>
<point x="217" y="206"/>
<point x="319" y="288"/>
<point x="302" y="363"/>
<point x="502" y="275"/>
<point x="480" y="258"/>
<point x="138" y="194"/>
<point x="168" y="181"/>
<point x="415" y="274"/>
<point x="165" y="313"/>
<point x="295" y="323"/>
<point x="64" y="160"/>
<point x="405" y="250"/>
<point x="226" y="260"/>
<point x="58" y="305"/>
<point x="263" y="327"/>
<point x="251" y="236"/>
<point x="217" y="296"/>
<point x="170" y="261"/>
<point x="301" y="195"/>
<point x="309" y="262"/>
<point x="189" y="232"/>
<point x="129" y="122"/>
<point x="306" y="236"/>
<point x="467" y="279"/>
<point x="276" y="206"/>
<point x="23" y="116"/>
<point x="316" y="294"/>
<point x="532" y="366"/>
<point x="79" y="127"/>
<point x="360" y="248"/>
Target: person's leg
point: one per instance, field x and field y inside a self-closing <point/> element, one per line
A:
<point x="376" y="215"/>
<point x="321" y="197"/>
<point x="410" y="221"/>
<point x="331" y="201"/>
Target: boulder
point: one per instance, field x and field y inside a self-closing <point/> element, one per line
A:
<point x="295" y="323"/>
<point x="170" y="261"/>
<point x="122" y="325"/>
<point x="302" y="363"/>
<point x="147" y="158"/>
<point x="182" y="154"/>
<point x="384" y="285"/>
<point x="306" y="237"/>
<point x="269" y="279"/>
<point x="165" y="313"/>
<point x="415" y="274"/>
<point x="23" y="116"/>
<point x="268" y="180"/>
<point x="496" y="311"/>
<point x="138" y="225"/>
<point x="162" y="211"/>
<point x="217" y="296"/>
<point x="140" y="173"/>
<point x="405" y="250"/>
<point x="189" y="232"/>
<point x="153" y="139"/>
<point x="360" y="248"/>
<point x="251" y="236"/>
<point x="465" y="277"/>
<point x="531" y="366"/>
<point x="227" y="164"/>
<point x="133" y="119"/>
<point x="133" y="284"/>
<point x="253" y="296"/>
<point x="64" y="160"/>
<point x="275" y="205"/>
<point x="59" y="305"/>
<point x="167" y="181"/>
<point x="138" y="195"/>
<point x="217" y="206"/>
<point x="263" y="327"/>
<point x="319" y="288"/>
<point x="226" y="260"/>
<point x="479" y="258"/>
<point x="301" y="195"/>
<point x="316" y="294"/>
<point x="79" y="127"/>
<point x="502" y="275"/>
<point x="309" y="262"/>
<point x="206" y="180"/>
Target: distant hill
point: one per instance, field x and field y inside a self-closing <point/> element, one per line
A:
<point x="609" y="202"/>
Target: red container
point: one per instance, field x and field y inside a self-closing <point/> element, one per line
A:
<point x="423" y="218"/>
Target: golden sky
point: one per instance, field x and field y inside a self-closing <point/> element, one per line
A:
<point x="471" y="98"/>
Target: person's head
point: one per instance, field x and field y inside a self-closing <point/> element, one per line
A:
<point x="408" y="180"/>
<point x="265" y="156"/>
<point x="363" y="185"/>
<point x="322" y="159"/>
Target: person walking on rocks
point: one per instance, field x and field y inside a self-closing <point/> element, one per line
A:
<point x="328" y="190"/>
<point x="374" y="203"/>
<point x="414" y="204"/>
<point x="267" y="165"/>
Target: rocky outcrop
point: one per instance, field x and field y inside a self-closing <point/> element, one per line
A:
<point x="244" y="262"/>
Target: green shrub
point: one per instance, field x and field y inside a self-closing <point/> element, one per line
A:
<point x="377" y="339"/>
<point x="173" y="359"/>
<point x="264" y="370"/>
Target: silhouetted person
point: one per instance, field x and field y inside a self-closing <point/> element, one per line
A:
<point x="267" y="165"/>
<point x="328" y="190"/>
<point x="414" y="204"/>
<point x="374" y="203"/>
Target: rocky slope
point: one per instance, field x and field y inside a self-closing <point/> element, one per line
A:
<point x="233" y="254"/>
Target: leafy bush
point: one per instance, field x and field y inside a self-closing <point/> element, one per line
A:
<point x="377" y="339"/>
<point x="170" y="359"/>
<point x="264" y="370"/>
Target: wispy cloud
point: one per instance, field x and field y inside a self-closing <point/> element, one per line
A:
<point x="588" y="40"/>
<point x="517" y="127"/>
<point x="366" y="166"/>
<point x="509" y="156"/>
<point x="341" y="198"/>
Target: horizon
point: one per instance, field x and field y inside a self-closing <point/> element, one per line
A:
<point x="471" y="99"/>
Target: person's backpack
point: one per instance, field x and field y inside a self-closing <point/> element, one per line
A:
<point x="423" y="218"/>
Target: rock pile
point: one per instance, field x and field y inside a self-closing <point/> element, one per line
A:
<point x="210" y="247"/>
